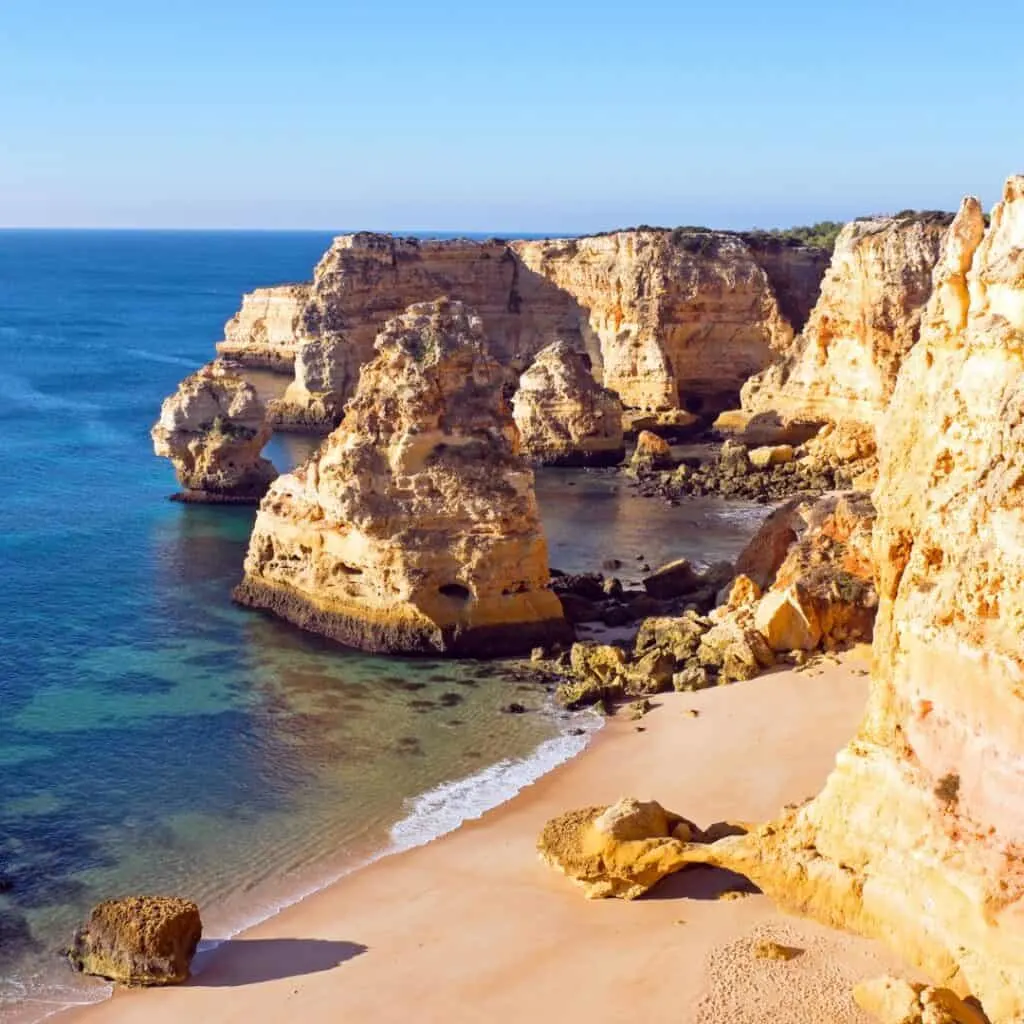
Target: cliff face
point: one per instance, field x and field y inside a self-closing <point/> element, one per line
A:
<point x="677" y="318"/>
<point x="415" y="528"/>
<point x="918" y="835"/>
<point x="564" y="416"/>
<point x="844" y="364"/>
<point x="364" y="279"/>
<point x="795" y="273"/>
<point x="264" y="333"/>
<point x="213" y="429"/>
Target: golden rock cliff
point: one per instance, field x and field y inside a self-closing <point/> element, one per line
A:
<point x="265" y="332"/>
<point x="213" y="429"/>
<point x="678" y="317"/>
<point x="918" y="835"/>
<point x="415" y="527"/>
<point x="364" y="279"/>
<point x="564" y="416"/>
<point x="843" y="366"/>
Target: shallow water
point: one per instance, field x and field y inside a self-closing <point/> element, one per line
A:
<point x="153" y="736"/>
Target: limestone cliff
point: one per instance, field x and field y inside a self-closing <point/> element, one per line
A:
<point x="415" y="527"/>
<point x="680" y="318"/>
<point x="918" y="835"/>
<point x="844" y="364"/>
<point x="213" y="429"/>
<point x="564" y="416"/>
<point x="794" y="271"/>
<point x="265" y="332"/>
<point x="364" y="279"/>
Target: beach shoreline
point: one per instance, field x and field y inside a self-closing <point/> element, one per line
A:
<point x="472" y="926"/>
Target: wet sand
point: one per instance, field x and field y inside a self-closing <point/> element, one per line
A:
<point x="473" y="927"/>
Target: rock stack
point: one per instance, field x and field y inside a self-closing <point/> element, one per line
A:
<point x="565" y="418"/>
<point x="213" y="429"/>
<point x="415" y="527"/>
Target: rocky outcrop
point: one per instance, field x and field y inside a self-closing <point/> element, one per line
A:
<point x="139" y="940"/>
<point x="265" y="332"/>
<point x="918" y="834"/>
<point x="415" y="527"/>
<point x="895" y="1001"/>
<point x="680" y="319"/>
<point x="617" y="851"/>
<point x="844" y="364"/>
<point x="565" y="418"/>
<point x="364" y="279"/>
<point x="213" y="429"/>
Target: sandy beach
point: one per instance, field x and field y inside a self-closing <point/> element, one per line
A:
<point x="474" y="927"/>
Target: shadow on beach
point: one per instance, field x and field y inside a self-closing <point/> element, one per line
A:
<point x="701" y="882"/>
<point x="248" y="961"/>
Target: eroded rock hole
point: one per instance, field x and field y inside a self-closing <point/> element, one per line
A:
<point x="456" y="591"/>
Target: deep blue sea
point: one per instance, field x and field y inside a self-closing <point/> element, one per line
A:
<point x="153" y="736"/>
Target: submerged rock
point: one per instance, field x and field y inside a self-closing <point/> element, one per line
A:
<point x="415" y="527"/>
<point x="565" y="418"/>
<point x="139" y="940"/>
<point x="213" y="429"/>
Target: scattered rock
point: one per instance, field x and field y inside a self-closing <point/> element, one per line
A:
<point x="619" y="851"/>
<point x="767" y="949"/>
<point x="673" y="580"/>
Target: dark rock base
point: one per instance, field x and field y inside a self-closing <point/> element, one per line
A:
<point x="213" y="498"/>
<point x="508" y="640"/>
<point x="592" y="460"/>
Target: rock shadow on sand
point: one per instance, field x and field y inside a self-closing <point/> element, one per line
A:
<point x="249" y="961"/>
<point x="702" y="882"/>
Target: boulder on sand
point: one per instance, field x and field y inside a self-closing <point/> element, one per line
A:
<point x="139" y="940"/>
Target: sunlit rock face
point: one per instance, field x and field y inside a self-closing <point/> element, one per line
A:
<point x="213" y="429"/>
<point x="565" y="418"/>
<point x="364" y="279"/>
<point x="265" y="332"/>
<point x="679" y="318"/>
<point x="844" y="365"/>
<point x="918" y="835"/>
<point x="415" y="527"/>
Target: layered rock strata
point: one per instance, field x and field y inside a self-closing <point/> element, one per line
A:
<point x="918" y="835"/>
<point x="213" y="429"/>
<point x="565" y="418"/>
<point x="364" y="279"/>
<point x="265" y="332"/>
<point x="680" y="318"/>
<point x="845" y="363"/>
<point x="415" y="527"/>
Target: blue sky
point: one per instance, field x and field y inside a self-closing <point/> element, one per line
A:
<point x="481" y="115"/>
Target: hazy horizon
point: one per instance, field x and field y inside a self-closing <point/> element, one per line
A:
<point x="565" y="118"/>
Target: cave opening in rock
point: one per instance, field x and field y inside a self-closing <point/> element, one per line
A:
<point x="456" y="591"/>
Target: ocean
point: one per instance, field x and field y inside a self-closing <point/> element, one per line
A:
<point x="153" y="736"/>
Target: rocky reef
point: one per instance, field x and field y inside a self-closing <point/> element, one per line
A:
<point x="139" y="940"/>
<point x="844" y="364"/>
<point x="414" y="529"/>
<point x="364" y="279"/>
<point x="213" y="429"/>
<point x="565" y="418"/>
<point x="265" y="332"/>
<point x="657" y="303"/>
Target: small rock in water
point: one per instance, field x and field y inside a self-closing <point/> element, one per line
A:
<point x="514" y="709"/>
<point x="449" y="700"/>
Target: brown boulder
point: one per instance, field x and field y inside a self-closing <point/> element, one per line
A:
<point x="139" y="940"/>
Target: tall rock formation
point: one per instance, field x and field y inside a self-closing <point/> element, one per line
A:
<point x="680" y="318"/>
<point x="565" y="418"/>
<point x="794" y="270"/>
<point x="265" y="332"/>
<point x="415" y="527"/>
<point x="213" y="429"/>
<point x="918" y="835"/>
<point x="364" y="279"/>
<point x="843" y="366"/>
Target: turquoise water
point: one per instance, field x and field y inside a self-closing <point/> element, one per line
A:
<point x="154" y="737"/>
